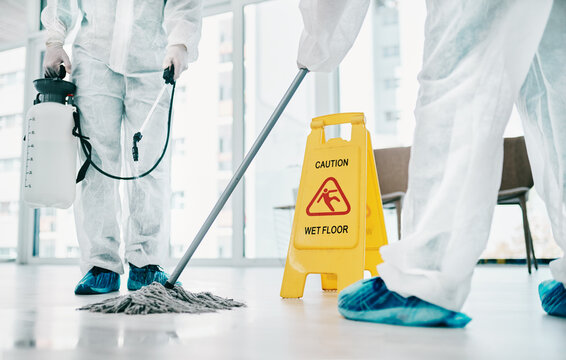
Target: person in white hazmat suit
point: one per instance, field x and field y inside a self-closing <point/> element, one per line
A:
<point x="119" y="55"/>
<point x="480" y="57"/>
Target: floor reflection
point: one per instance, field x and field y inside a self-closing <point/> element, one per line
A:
<point x="24" y="330"/>
<point x="94" y="338"/>
<point x="95" y="332"/>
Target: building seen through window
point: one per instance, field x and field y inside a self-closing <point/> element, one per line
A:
<point x="202" y="138"/>
<point x="11" y="95"/>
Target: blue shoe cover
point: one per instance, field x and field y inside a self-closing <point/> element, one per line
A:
<point x="370" y="300"/>
<point x="553" y="297"/>
<point x="140" y="277"/>
<point x="98" y="281"/>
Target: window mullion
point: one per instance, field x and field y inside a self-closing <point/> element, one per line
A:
<point x="238" y="134"/>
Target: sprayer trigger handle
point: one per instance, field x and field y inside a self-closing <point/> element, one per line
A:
<point x="168" y="74"/>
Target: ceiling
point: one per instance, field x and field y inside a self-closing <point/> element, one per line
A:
<point x="13" y="24"/>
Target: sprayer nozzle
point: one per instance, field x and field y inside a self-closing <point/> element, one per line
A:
<point x="135" y="152"/>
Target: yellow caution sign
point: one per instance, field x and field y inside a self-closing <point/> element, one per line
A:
<point x="376" y="236"/>
<point x="338" y="225"/>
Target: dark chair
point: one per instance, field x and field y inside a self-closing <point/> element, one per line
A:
<point x="516" y="181"/>
<point x="392" y="166"/>
<point x="393" y="169"/>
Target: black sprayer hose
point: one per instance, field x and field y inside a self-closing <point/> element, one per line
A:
<point x="87" y="148"/>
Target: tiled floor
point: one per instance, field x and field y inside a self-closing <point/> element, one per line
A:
<point x="38" y="320"/>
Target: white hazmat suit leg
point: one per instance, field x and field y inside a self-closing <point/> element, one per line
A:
<point x="476" y="57"/>
<point x="542" y="105"/>
<point x="99" y="97"/>
<point x="107" y="99"/>
<point x="148" y="224"/>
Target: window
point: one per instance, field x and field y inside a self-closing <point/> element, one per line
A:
<point x="392" y="83"/>
<point x="225" y="30"/>
<point x="202" y="148"/>
<point x="178" y="148"/>
<point x="10" y="165"/>
<point x="390" y="51"/>
<point x="57" y="233"/>
<point x="43" y="4"/>
<point x="180" y="92"/>
<point x="392" y="116"/>
<point x="275" y="172"/>
<point x="225" y="147"/>
<point x="5" y="207"/>
<point x="224" y="138"/>
<point x="11" y="121"/>
<point x="178" y="200"/>
<point x="387" y="3"/>
<point x="11" y="79"/>
<point x="11" y="93"/>
<point x="225" y="86"/>
<point x="9" y="208"/>
<point x="390" y="17"/>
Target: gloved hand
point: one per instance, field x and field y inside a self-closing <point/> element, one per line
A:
<point x="54" y="56"/>
<point x="179" y="57"/>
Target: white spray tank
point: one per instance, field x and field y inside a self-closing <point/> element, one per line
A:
<point x="50" y="147"/>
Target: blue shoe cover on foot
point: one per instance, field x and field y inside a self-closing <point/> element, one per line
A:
<point x="140" y="277"/>
<point x="370" y="300"/>
<point x="98" y="281"/>
<point x="553" y="297"/>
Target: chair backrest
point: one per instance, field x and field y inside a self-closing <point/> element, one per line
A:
<point x="516" y="166"/>
<point x="392" y="168"/>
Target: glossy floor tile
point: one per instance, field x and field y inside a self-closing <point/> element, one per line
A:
<point x="38" y="320"/>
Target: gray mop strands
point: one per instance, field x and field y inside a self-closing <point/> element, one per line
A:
<point x="156" y="299"/>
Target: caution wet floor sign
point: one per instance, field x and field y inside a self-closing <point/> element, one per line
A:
<point x="338" y="215"/>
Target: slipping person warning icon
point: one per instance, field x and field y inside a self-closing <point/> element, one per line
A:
<point x="329" y="200"/>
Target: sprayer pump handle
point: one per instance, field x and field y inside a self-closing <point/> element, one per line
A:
<point x="168" y="74"/>
<point x="61" y="75"/>
<point x="62" y="72"/>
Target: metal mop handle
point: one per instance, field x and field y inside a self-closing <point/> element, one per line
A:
<point x="236" y="177"/>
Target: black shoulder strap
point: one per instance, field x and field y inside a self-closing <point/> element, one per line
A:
<point x="85" y="145"/>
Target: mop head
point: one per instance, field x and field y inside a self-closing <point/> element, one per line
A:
<point x="157" y="299"/>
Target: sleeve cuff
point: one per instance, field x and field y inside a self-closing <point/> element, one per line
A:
<point x="186" y="34"/>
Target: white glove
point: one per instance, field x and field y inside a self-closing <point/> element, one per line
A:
<point x="54" y="56"/>
<point x="179" y="57"/>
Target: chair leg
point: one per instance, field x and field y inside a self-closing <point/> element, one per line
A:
<point x="533" y="256"/>
<point x="531" y="245"/>
<point x="398" y="205"/>
<point x="535" y="262"/>
<point x="527" y="232"/>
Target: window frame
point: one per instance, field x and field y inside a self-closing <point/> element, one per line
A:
<point x="32" y="25"/>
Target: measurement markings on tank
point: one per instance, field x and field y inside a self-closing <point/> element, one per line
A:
<point x="29" y="158"/>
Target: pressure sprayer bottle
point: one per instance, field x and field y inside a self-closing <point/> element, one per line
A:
<point x="50" y="147"/>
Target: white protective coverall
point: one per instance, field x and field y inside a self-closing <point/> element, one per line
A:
<point x="117" y="66"/>
<point x="480" y="57"/>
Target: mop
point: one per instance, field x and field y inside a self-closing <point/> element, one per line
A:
<point x="170" y="298"/>
<point x="156" y="298"/>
